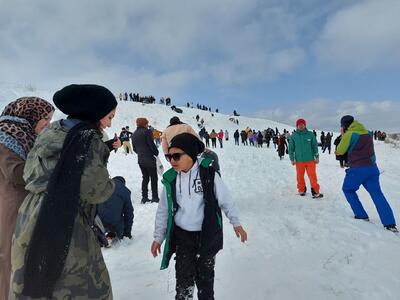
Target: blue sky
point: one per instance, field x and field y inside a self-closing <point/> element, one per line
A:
<point x="279" y="59"/>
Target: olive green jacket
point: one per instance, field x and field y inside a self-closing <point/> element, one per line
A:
<point x="85" y="275"/>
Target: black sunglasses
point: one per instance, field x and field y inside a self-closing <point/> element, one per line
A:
<point x="174" y="156"/>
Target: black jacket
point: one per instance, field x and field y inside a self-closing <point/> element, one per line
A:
<point x="143" y="145"/>
<point x="117" y="212"/>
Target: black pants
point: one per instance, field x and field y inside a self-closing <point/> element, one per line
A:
<point x="327" y="147"/>
<point x="147" y="174"/>
<point x="220" y="143"/>
<point x="213" y="143"/>
<point x="191" y="268"/>
<point x="207" y="142"/>
<point x="237" y="141"/>
<point x="343" y="162"/>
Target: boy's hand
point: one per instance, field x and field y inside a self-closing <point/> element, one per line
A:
<point x="240" y="232"/>
<point x="293" y="163"/>
<point x="155" y="249"/>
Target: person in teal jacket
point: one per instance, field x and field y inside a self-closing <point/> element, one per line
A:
<point x="303" y="153"/>
<point x="358" y="143"/>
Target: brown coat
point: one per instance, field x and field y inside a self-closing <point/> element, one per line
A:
<point x="213" y="135"/>
<point x="12" y="194"/>
<point x="170" y="132"/>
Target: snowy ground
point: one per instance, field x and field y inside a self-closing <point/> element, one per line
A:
<point x="298" y="248"/>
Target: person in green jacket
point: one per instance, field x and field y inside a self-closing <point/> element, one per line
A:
<point x="303" y="153"/>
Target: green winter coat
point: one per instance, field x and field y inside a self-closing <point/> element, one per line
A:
<point x="356" y="129"/>
<point x="85" y="275"/>
<point x="303" y="146"/>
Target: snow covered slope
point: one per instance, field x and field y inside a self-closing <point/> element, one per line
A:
<point x="298" y="248"/>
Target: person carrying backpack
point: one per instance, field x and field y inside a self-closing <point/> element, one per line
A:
<point x="189" y="218"/>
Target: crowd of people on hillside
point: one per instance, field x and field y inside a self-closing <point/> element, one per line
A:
<point x="58" y="204"/>
<point x="135" y="97"/>
<point x="379" y="135"/>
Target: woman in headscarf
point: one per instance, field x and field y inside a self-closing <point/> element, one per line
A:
<point x="55" y="253"/>
<point x="20" y="123"/>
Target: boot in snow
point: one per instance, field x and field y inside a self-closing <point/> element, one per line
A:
<point x="391" y="228"/>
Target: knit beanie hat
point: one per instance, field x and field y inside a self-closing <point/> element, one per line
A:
<point x="300" y="121"/>
<point x="142" y="122"/>
<point x="189" y="143"/>
<point x="174" y="121"/>
<point x="86" y="102"/>
<point x="346" y="121"/>
<point x="119" y="178"/>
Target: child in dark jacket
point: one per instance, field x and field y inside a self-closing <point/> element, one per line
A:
<point x="116" y="213"/>
<point x="189" y="217"/>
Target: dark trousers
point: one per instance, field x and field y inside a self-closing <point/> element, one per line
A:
<point x="343" y="162"/>
<point x="327" y="147"/>
<point x="237" y="141"/>
<point x="147" y="174"/>
<point x="207" y="142"/>
<point x="213" y="143"/>
<point x="220" y="143"/>
<point x="191" y="268"/>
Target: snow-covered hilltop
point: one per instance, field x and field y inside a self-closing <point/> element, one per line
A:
<point x="298" y="248"/>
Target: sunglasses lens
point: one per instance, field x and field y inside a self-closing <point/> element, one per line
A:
<point x="175" y="156"/>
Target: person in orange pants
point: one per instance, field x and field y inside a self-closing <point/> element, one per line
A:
<point x="310" y="168"/>
<point x="303" y="153"/>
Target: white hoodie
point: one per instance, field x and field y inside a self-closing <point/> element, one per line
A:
<point x="189" y="196"/>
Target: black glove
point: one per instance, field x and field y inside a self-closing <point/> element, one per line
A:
<point x="128" y="235"/>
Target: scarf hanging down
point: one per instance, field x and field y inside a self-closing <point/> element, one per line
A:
<point x="49" y="246"/>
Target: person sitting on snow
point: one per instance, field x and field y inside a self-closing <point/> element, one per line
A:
<point x="116" y="213"/>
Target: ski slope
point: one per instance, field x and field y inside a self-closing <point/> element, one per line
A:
<point x="298" y="247"/>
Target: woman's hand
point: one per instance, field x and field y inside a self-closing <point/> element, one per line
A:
<point x="155" y="248"/>
<point x="240" y="232"/>
<point x="117" y="144"/>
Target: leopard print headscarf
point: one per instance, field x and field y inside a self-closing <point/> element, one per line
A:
<point x="18" y="122"/>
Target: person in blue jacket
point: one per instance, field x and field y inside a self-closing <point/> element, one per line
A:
<point x="117" y="212"/>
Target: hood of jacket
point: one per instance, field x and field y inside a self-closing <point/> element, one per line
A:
<point x="357" y="127"/>
<point x="44" y="156"/>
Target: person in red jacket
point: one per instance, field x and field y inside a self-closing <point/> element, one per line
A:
<point x="220" y="136"/>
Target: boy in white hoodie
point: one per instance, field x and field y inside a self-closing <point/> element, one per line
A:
<point x="189" y="217"/>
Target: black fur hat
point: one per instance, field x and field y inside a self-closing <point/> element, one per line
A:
<point x="87" y="102"/>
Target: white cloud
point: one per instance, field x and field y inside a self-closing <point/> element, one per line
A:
<point x="325" y="114"/>
<point x="362" y="37"/>
<point x="147" y="42"/>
